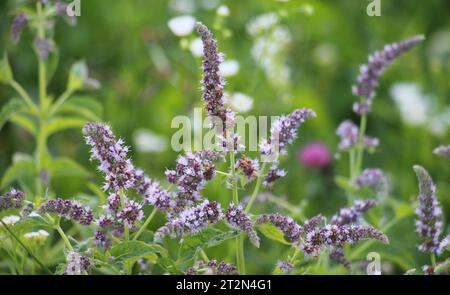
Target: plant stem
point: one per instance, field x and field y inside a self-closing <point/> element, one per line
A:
<point x="64" y="237"/>
<point x="239" y="242"/>
<point x="204" y="256"/>
<point x="22" y="92"/>
<point x="42" y="137"/>
<point x="256" y="189"/>
<point x="146" y="223"/>
<point x="25" y="247"/>
<point x="360" y="145"/>
<point x="122" y="203"/>
<point x="433" y="260"/>
<point x="60" y="101"/>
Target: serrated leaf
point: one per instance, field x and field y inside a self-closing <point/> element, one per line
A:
<point x="83" y="106"/>
<point x="6" y="75"/>
<point x="66" y="167"/>
<point x="10" y="108"/>
<point x="62" y="123"/>
<point x="25" y="122"/>
<point x="78" y="75"/>
<point x="205" y="239"/>
<point x="134" y="250"/>
<point x="16" y="171"/>
<point x="272" y="232"/>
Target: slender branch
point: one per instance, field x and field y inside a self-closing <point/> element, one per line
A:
<point x="360" y="146"/>
<point x="122" y="203"/>
<point x="60" y="101"/>
<point x="146" y="223"/>
<point x="257" y="188"/>
<point x="24" y="94"/>
<point x="26" y="248"/>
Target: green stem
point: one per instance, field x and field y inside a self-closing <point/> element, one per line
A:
<point x="122" y="203"/>
<point x="64" y="237"/>
<point x="256" y="189"/>
<point x="60" y="101"/>
<point x="239" y="242"/>
<point x="360" y="146"/>
<point x="22" y="92"/>
<point x="146" y="223"/>
<point x="433" y="260"/>
<point x="26" y="248"/>
<point x="204" y="256"/>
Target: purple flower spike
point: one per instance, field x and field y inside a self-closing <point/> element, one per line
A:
<point x="19" y="23"/>
<point x="284" y="131"/>
<point x="237" y="219"/>
<point x="77" y="264"/>
<point x="44" y="47"/>
<point x="287" y="225"/>
<point x="369" y="74"/>
<point x="112" y="155"/>
<point x="373" y="178"/>
<point x="337" y="236"/>
<point x="429" y="213"/>
<point x="348" y="132"/>
<point x="353" y="214"/>
<point x="285" y="267"/>
<point x="443" y="151"/>
<point x="12" y="200"/>
<point x="248" y="166"/>
<point x="192" y="220"/>
<point x="69" y="210"/>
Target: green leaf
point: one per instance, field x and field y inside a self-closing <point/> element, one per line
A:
<point x="205" y="239"/>
<point x="17" y="171"/>
<point x="25" y="122"/>
<point x="78" y="75"/>
<point x="6" y="75"/>
<point x="66" y="167"/>
<point x="344" y="183"/>
<point x="61" y="123"/>
<point x="83" y="106"/>
<point x="10" y="108"/>
<point x="134" y="250"/>
<point x="273" y="233"/>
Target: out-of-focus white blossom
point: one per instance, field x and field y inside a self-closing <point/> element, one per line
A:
<point x="37" y="237"/>
<point x="240" y="102"/>
<point x="196" y="47"/>
<point x="182" y="25"/>
<point x="262" y="23"/>
<point x="325" y="54"/>
<point x="229" y="68"/>
<point x="411" y="102"/>
<point x="11" y="219"/>
<point x="418" y="109"/>
<point x="146" y="141"/>
<point x="223" y="10"/>
<point x="307" y="9"/>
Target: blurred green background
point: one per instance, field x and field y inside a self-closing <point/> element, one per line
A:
<point x="149" y="75"/>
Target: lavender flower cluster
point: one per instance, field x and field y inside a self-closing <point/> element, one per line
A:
<point x="284" y="131"/>
<point x="338" y="235"/>
<point x="112" y="155"/>
<point x="349" y="133"/>
<point x="191" y="220"/>
<point x="19" y="23"/>
<point x="369" y="74"/>
<point x="372" y="178"/>
<point x="285" y="267"/>
<point x="353" y="214"/>
<point x="443" y="151"/>
<point x="12" y="200"/>
<point x="429" y="215"/>
<point x="238" y="219"/>
<point x="212" y="267"/>
<point x="77" y="264"/>
<point x="69" y="210"/>
<point x="248" y="167"/>
<point x="287" y="225"/>
<point x="191" y="173"/>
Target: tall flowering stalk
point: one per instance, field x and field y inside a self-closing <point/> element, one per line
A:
<point x="429" y="215"/>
